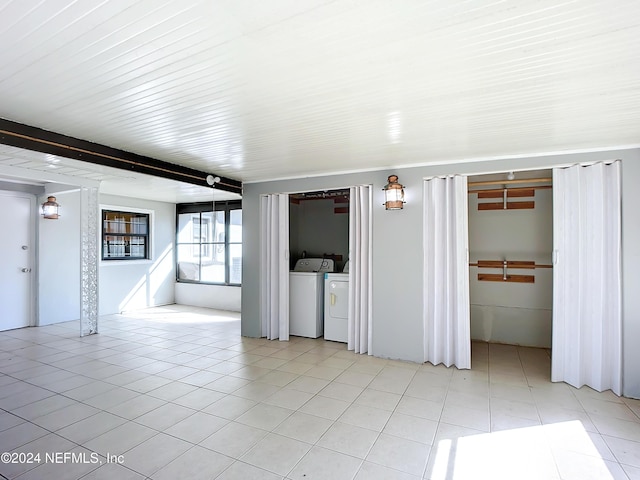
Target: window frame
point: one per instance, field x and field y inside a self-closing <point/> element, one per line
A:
<point x="105" y="209"/>
<point x="208" y="207"/>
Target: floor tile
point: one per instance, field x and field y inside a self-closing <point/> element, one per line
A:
<point x="136" y="407"/>
<point x="263" y="416"/>
<point x="109" y="471"/>
<point x="303" y="427"/>
<point x="199" y="398"/>
<point x="256" y="391"/>
<point x="8" y="420"/>
<point x="234" y="439"/>
<point x="625" y="451"/>
<point x="230" y="407"/>
<point x="308" y="384"/>
<point x="466" y="417"/>
<point x="341" y="391"/>
<point x="514" y="408"/>
<point x="196" y="463"/>
<point x="400" y="454"/>
<point x="120" y="439"/>
<point x="91" y="427"/>
<point x="244" y="471"/>
<point x="373" y="471"/>
<point x="378" y="399"/>
<point x="418" y="407"/>
<point x="291" y="399"/>
<point x="276" y="453"/>
<point x="278" y="378"/>
<point x="575" y="466"/>
<point x="411" y="428"/>
<point x="41" y="407"/>
<point x="164" y="416"/>
<point x="349" y="439"/>
<point x="172" y="390"/>
<point x="320" y="463"/>
<point x="153" y="454"/>
<point x="366" y="417"/>
<point x="65" y="416"/>
<point x="324" y="407"/>
<point x="227" y="384"/>
<point x="355" y="378"/>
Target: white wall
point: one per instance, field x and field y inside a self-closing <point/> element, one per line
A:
<point x="59" y="262"/>
<point x="128" y="285"/>
<point x="513" y="313"/>
<point x="220" y="297"/>
<point x="397" y="251"/>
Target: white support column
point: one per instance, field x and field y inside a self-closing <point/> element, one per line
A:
<point x="88" y="260"/>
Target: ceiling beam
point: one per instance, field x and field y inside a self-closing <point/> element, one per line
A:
<point x="39" y="140"/>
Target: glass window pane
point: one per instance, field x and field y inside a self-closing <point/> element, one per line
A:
<point x="189" y="262"/>
<point x="235" y="267"/>
<point x="117" y="246"/>
<point x="215" y="224"/>
<point x="235" y="226"/>
<point x="123" y="222"/>
<point x="213" y="264"/>
<point x="188" y="227"/>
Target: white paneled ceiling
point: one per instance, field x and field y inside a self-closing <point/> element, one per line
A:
<point x="257" y="90"/>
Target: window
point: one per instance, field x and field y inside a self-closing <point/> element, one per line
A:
<point x="209" y="243"/>
<point x="125" y="235"/>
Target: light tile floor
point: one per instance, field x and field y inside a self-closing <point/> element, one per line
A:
<point x="176" y="393"/>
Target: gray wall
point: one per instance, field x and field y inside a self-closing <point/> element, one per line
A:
<point x="397" y="251"/>
<point x="513" y="313"/>
<point x="316" y="229"/>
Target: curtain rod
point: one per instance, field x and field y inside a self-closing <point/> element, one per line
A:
<point x="513" y="189"/>
<point x="509" y="182"/>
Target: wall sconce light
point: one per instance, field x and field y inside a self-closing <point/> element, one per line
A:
<point x="393" y="194"/>
<point x="50" y="209"/>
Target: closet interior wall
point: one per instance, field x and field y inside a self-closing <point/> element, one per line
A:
<point x="518" y="311"/>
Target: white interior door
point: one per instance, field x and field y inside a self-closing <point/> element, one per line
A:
<point x="15" y="261"/>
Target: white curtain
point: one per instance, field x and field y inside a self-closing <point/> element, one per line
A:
<point x="359" y="316"/>
<point x="447" y="329"/>
<point x="274" y="266"/>
<point x="587" y="336"/>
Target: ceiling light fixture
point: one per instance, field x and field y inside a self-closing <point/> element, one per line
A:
<point x="211" y="180"/>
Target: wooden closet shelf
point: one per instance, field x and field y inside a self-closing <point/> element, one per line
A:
<point x="496" y="277"/>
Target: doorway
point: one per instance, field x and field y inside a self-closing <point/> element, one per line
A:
<point x="17" y="260"/>
<point x="510" y="264"/>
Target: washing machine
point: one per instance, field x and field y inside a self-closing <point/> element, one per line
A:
<point x="306" y="294"/>
<point x="336" y="305"/>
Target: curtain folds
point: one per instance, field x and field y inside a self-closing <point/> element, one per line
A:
<point x="360" y="293"/>
<point x="274" y="266"/>
<point x="587" y="318"/>
<point x="447" y="329"/>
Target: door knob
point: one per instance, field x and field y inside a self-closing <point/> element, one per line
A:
<point x="25" y="270"/>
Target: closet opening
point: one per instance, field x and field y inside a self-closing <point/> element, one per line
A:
<point x="318" y="255"/>
<point x="510" y="269"/>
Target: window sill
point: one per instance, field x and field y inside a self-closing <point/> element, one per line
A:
<point x="191" y="282"/>
<point x="114" y="262"/>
